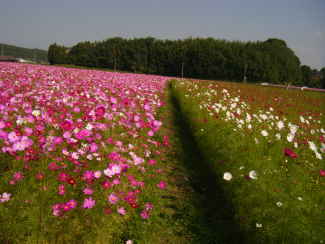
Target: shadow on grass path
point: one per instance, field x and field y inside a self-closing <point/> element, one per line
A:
<point x="213" y="221"/>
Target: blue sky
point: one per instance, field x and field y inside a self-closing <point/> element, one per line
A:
<point x="38" y="23"/>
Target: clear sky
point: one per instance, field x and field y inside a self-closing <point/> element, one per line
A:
<point x="38" y="23"/>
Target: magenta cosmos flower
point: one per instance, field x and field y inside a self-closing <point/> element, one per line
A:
<point x="288" y="152"/>
<point x="162" y="185"/>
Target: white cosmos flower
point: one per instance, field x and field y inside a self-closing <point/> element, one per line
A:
<point x="264" y="133"/>
<point x="258" y="225"/>
<point x="36" y="113"/>
<point x="299" y="198"/>
<point x="263" y="116"/>
<point x="290" y="137"/>
<point x="318" y="155"/>
<point x="312" y="146"/>
<point x="295" y="145"/>
<point x="280" y="125"/>
<point x="279" y="204"/>
<point x="227" y="176"/>
<point x="89" y="126"/>
<point x="248" y="118"/>
<point x="278" y="136"/>
<point x="302" y="119"/>
<point x="252" y="174"/>
<point x="293" y="129"/>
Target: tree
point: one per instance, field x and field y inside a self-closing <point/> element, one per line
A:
<point x="57" y="54"/>
<point x="322" y="73"/>
<point x="205" y="58"/>
<point x="306" y="75"/>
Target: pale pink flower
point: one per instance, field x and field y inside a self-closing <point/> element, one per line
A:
<point x="113" y="199"/>
<point x="88" y="191"/>
<point x="121" y="210"/>
<point x="89" y="203"/>
<point x="5" y="197"/>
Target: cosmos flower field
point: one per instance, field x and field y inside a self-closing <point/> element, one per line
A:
<point x="268" y="148"/>
<point x="83" y="153"/>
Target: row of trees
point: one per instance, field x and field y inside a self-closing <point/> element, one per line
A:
<point x="204" y="58"/>
<point x="36" y="55"/>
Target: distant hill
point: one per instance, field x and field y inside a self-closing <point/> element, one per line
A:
<point x="36" y="55"/>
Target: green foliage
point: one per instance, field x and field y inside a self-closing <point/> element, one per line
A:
<point x="35" y="55"/>
<point x="322" y="72"/>
<point x="204" y="58"/>
<point x="58" y="54"/>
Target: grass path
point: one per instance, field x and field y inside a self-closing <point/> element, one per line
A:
<point x="194" y="207"/>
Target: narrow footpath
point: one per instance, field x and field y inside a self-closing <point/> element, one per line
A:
<point x="195" y="210"/>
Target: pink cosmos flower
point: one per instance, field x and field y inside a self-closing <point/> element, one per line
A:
<point x="22" y="144"/>
<point x="148" y="206"/>
<point x="144" y="214"/>
<point x="61" y="189"/>
<point x="72" y="204"/>
<point x="121" y="210"/>
<point x="152" y="162"/>
<point x="113" y="199"/>
<point x="97" y="174"/>
<point x="106" y="184"/>
<point x="100" y="111"/>
<point x="57" y="140"/>
<point x="53" y="166"/>
<point x="322" y="172"/>
<point x="83" y="134"/>
<point x="162" y="185"/>
<point x="63" y="177"/>
<point x="18" y="176"/>
<point x="88" y="175"/>
<point x="93" y="147"/>
<point x="138" y="160"/>
<point x="13" y="137"/>
<point x="56" y="209"/>
<point x="2" y="124"/>
<point x="67" y="134"/>
<point x="66" y="125"/>
<point x="116" y="182"/>
<point x="114" y="156"/>
<point x="89" y="203"/>
<point x="3" y="134"/>
<point x="5" y="197"/>
<point x="28" y="131"/>
<point x="88" y="191"/>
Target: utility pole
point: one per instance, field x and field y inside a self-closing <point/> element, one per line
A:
<point x="182" y="70"/>
<point x="35" y="56"/>
<point x="245" y="70"/>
